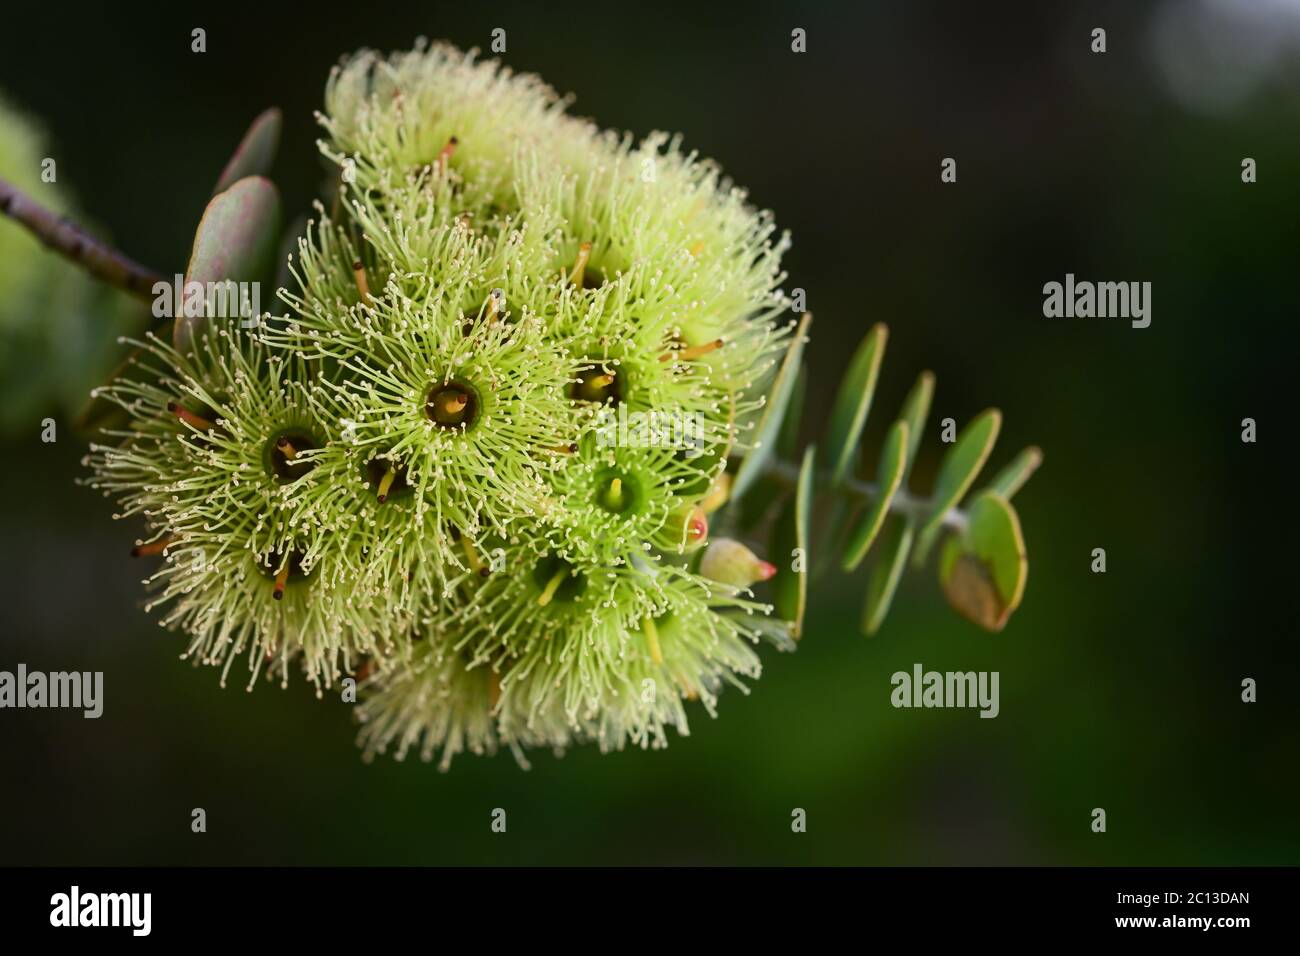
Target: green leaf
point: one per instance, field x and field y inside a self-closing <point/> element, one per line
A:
<point x="255" y="152"/>
<point x="984" y="569"/>
<point x="854" y="402"/>
<point x="889" y="475"/>
<point x="790" y="550"/>
<point x="891" y="556"/>
<point x="995" y="537"/>
<point x="1013" y="477"/>
<point x="763" y="440"/>
<point x="916" y="409"/>
<point x="236" y="240"/>
<point x="958" y="471"/>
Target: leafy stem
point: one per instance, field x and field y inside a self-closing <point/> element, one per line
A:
<point x="58" y="233"/>
<point x="902" y="503"/>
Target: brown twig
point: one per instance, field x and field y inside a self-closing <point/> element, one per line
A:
<point x="58" y="233"/>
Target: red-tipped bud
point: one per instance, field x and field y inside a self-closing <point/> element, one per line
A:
<point x="686" y="529"/>
<point x="732" y="563"/>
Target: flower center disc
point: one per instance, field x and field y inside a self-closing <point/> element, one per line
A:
<point x="377" y="473"/>
<point x="617" y="492"/>
<point x="283" y="454"/>
<point x="601" y="385"/>
<point x="452" y="405"/>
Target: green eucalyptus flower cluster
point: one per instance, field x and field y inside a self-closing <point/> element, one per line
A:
<point x="410" y="478"/>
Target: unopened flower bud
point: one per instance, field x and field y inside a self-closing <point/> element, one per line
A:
<point x="732" y="563"/>
<point x="717" y="494"/>
<point x="687" y="527"/>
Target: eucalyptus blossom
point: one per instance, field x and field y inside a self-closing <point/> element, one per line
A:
<point x="501" y="459"/>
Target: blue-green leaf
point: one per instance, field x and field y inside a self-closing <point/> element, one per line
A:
<point x="983" y="570"/>
<point x="853" y="403"/>
<point x="891" y="557"/>
<point x="763" y="439"/>
<point x="255" y="152"/>
<point x="790" y="550"/>
<point x="1013" y="477"/>
<point x="236" y="240"/>
<point x="787" y="443"/>
<point x="958" y="471"/>
<point x="889" y="475"/>
<point x="916" y="409"/>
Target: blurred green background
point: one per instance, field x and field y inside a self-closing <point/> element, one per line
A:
<point x="1119" y="690"/>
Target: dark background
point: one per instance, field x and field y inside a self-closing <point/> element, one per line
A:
<point x="1119" y="690"/>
